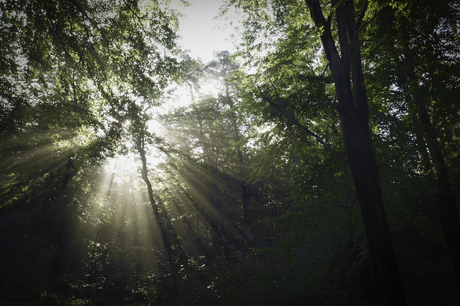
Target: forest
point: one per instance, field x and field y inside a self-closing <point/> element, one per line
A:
<point x="318" y="164"/>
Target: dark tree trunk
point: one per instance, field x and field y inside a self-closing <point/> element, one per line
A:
<point x="421" y="143"/>
<point x="216" y="244"/>
<point x="353" y="110"/>
<point x="247" y="214"/>
<point x="445" y="200"/>
<point x="215" y="200"/>
<point x="161" y="222"/>
<point x="214" y="195"/>
<point x="63" y="259"/>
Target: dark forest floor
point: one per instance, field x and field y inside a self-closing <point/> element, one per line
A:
<point x="11" y="302"/>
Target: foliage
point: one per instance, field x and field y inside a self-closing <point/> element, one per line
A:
<point x="242" y="196"/>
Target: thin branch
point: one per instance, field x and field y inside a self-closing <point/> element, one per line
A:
<point x="362" y="26"/>
<point x="301" y="126"/>
<point x="402" y="171"/>
<point x="94" y="23"/>
<point x="132" y="11"/>
<point x="348" y="207"/>
<point x="363" y="12"/>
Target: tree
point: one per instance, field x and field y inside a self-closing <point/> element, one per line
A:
<point x="221" y="69"/>
<point x="418" y="38"/>
<point x="209" y="133"/>
<point x="352" y="106"/>
<point x="59" y="75"/>
<point x="71" y="72"/>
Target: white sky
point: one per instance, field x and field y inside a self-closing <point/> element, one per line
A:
<point x="200" y="32"/>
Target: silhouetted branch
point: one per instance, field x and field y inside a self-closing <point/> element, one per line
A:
<point x="301" y="126"/>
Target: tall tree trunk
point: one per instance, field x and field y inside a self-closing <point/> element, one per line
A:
<point x="214" y="195"/>
<point x="161" y="223"/>
<point x="419" y="137"/>
<point x="421" y="143"/>
<point x="65" y="233"/>
<point x="216" y="226"/>
<point x="353" y="111"/>
<point x="445" y="200"/>
<point x="247" y="214"/>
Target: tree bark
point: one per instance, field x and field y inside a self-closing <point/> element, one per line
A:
<point x="353" y="111"/>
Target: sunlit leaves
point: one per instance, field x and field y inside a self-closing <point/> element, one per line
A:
<point x="73" y="72"/>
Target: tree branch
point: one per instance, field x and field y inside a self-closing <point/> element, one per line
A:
<point x="402" y="171"/>
<point x="327" y="40"/>
<point x="301" y="126"/>
<point x="363" y="12"/>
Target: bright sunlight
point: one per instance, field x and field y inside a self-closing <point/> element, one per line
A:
<point x="229" y="152"/>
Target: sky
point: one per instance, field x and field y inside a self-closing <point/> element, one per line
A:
<point x="200" y="32"/>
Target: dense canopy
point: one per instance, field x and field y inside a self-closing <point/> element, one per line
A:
<point x="316" y="165"/>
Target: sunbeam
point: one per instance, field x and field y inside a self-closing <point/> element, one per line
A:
<point x="311" y="160"/>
